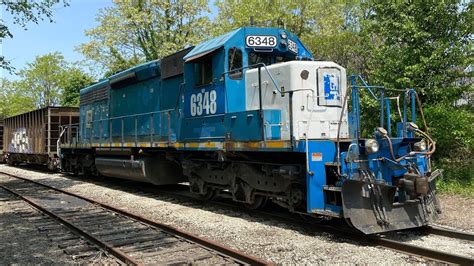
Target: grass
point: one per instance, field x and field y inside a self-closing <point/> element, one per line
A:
<point x="456" y="187"/>
<point x="458" y="178"/>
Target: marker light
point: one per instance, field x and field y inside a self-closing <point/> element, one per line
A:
<point x="420" y="146"/>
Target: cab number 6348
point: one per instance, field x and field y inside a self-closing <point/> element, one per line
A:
<point x="261" y="41"/>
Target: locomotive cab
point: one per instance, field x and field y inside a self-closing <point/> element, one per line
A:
<point x="257" y="70"/>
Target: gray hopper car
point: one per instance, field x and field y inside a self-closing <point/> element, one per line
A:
<point x="32" y="137"/>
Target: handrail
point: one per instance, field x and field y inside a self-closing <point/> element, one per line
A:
<point x="134" y="115"/>
<point x="409" y="96"/>
<point x="258" y="65"/>
<point x="110" y="132"/>
<point x="368" y="87"/>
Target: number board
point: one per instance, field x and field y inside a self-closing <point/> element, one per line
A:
<point x="292" y="46"/>
<point x="209" y="100"/>
<point x="261" y="41"/>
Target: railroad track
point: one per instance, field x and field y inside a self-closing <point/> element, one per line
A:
<point x="71" y="245"/>
<point x="345" y="232"/>
<point x="130" y="238"/>
<point x="338" y="230"/>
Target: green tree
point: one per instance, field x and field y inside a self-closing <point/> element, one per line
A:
<point x="13" y="99"/>
<point x="330" y="29"/>
<point x="50" y="80"/>
<point x="428" y="46"/>
<point x="24" y="12"/>
<point x="134" y="31"/>
<point x="44" y="78"/>
<point x="75" y="80"/>
<point x="420" y="44"/>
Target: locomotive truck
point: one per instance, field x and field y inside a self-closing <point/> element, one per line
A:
<point x="252" y="115"/>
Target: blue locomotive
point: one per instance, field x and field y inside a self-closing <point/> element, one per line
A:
<point x="252" y="116"/>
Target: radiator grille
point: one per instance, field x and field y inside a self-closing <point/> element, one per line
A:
<point x="95" y="95"/>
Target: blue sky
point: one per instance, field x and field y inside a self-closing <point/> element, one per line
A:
<point x="63" y="35"/>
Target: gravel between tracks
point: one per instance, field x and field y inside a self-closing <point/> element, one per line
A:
<point x="267" y="239"/>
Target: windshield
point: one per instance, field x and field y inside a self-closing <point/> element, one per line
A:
<point x="268" y="58"/>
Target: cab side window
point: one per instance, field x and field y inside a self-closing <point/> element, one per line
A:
<point x="203" y="71"/>
<point x="235" y="63"/>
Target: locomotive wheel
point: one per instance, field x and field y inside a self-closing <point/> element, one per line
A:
<point x="259" y="202"/>
<point x="348" y="222"/>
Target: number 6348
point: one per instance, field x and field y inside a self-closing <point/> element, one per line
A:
<point x="203" y="103"/>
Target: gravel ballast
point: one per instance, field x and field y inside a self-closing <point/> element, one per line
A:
<point x="271" y="240"/>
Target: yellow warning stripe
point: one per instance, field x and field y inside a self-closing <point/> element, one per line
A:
<point x="274" y="144"/>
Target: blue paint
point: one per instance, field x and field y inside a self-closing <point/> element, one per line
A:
<point x="100" y="111"/>
<point x="202" y="128"/>
<point x="331" y="86"/>
<point x="218" y="48"/>
<point x="389" y="122"/>
<point x="272" y="122"/>
<point x="319" y="153"/>
<point x="212" y="44"/>
<point x="243" y="126"/>
<point x="413" y="105"/>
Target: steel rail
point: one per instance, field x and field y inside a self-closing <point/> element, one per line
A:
<point x="114" y="251"/>
<point x="206" y="243"/>
<point x="437" y="230"/>
<point x="421" y="251"/>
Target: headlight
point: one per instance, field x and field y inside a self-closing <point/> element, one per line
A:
<point x="283" y="35"/>
<point x="420" y="146"/>
<point x="371" y="146"/>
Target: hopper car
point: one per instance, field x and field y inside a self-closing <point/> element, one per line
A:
<point x="33" y="137"/>
<point x="252" y="115"/>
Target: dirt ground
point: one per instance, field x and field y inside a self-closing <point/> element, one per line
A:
<point x="458" y="212"/>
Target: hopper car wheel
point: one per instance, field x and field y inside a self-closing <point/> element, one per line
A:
<point x="259" y="202"/>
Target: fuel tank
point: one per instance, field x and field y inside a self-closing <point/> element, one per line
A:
<point x="155" y="170"/>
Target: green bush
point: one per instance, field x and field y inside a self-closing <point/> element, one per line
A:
<point x="452" y="129"/>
